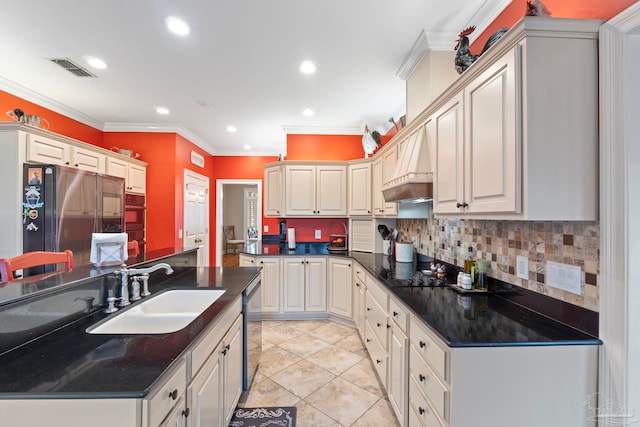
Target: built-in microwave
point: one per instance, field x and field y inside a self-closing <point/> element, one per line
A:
<point x="135" y="218"/>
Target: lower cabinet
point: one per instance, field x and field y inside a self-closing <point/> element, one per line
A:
<point x="177" y="417"/>
<point x="270" y="277"/>
<point x="359" y="298"/>
<point x="161" y="402"/>
<point x="304" y="284"/>
<point x="397" y="384"/>
<point x="214" y="391"/>
<point x="340" y="287"/>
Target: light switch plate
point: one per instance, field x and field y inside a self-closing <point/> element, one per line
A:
<point x="318" y="234"/>
<point x="266" y="228"/>
<point x="180" y="233"/>
<point x="565" y="277"/>
<point x="522" y="267"/>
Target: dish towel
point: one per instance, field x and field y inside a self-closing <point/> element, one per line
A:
<point x="108" y="248"/>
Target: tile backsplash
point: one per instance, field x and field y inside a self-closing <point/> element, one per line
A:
<point x="500" y="242"/>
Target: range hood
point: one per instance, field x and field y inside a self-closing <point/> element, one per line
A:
<point x="413" y="178"/>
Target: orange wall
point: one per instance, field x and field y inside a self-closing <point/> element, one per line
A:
<point x="57" y="122"/>
<point x="324" y="147"/>
<point x="589" y="9"/>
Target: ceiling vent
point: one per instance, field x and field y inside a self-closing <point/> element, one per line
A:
<point x="72" y="67"/>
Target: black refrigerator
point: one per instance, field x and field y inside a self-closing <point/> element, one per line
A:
<point x="63" y="206"/>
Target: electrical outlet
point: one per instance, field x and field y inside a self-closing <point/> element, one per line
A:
<point x="180" y="233"/>
<point x="318" y="234"/>
<point x="266" y="228"/>
<point x="522" y="267"/>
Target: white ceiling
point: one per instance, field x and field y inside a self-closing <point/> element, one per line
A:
<point x="240" y="59"/>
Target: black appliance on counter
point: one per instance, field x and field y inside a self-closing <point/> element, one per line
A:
<point x="282" y="231"/>
<point x="63" y="206"/>
<point x="135" y="212"/>
<point x="252" y="328"/>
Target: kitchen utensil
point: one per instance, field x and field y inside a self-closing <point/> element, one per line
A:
<point x="394" y="235"/>
<point x="384" y="231"/>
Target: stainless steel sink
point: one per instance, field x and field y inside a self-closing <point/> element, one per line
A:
<point x="161" y="314"/>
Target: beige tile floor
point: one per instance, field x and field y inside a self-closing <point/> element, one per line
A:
<point x="322" y="369"/>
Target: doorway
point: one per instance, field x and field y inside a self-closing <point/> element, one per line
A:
<point x="238" y="203"/>
<point x="196" y="215"/>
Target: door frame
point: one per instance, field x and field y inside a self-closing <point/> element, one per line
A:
<point x="220" y="210"/>
<point x="191" y="176"/>
<point x="619" y="305"/>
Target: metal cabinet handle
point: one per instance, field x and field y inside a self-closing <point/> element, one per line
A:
<point x="368" y="308"/>
<point x="421" y="410"/>
<point x="422" y="378"/>
<point x="186" y="413"/>
<point x="395" y="314"/>
<point x="173" y="394"/>
<point x="368" y="340"/>
<point x="423" y="344"/>
<point x="379" y="324"/>
<point x="378" y="361"/>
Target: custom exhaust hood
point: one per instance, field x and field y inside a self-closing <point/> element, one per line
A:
<point x="412" y="180"/>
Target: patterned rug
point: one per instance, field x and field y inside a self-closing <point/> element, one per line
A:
<point x="284" y="416"/>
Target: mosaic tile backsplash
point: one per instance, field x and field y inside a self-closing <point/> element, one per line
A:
<point x="500" y="242"/>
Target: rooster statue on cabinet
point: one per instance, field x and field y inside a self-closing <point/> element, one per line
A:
<point x="464" y="58"/>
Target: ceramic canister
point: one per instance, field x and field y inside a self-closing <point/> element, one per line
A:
<point x="404" y="252"/>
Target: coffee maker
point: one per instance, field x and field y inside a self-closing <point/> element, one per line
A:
<point x="282" y="232"/>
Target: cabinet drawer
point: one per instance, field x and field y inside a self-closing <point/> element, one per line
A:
<point x="419" y="408"/>
<point x="167" y="396"/>
<point x="399" y="314"/>
<point x="429" y="383"/>
<point x="377" y="319"/>
<point x="429" y="348"/>
<point x="378" y="354"/>
<point x="380" y="294"/>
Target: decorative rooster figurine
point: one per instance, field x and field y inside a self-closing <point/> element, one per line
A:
<point x="536" y="8"/>
<point x="464" y="58"/>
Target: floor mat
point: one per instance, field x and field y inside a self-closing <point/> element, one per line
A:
<point x="284" y="416"/>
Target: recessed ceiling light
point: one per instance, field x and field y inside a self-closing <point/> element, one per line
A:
<point x="247" y="147"/>
<point x="307" y="112"/>
<point x="307" y="67"/>
<point x="177" y="26"/>
<point x="95" y="62"/>
<point x="232" y="129"/>
<point x="162" y="110"/>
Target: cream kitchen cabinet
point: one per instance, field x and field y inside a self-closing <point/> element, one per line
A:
<point x="398" y="380"/>
<point x="359" y="298"/>
<point x="316" y="190"/>
<point x="134" y="173"/>
<point x="359" y="192"/>
<point x="340" y="287"/>
<point x="304" y="284"/>
<point x="42" y="149"/>
<point x="476" y="169"/>
<point x="270" y="276"/>
<point x="383" y="167"/>
<point x="505" y="146"/>
<point x="273" y="191"/>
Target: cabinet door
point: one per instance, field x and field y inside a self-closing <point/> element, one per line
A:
<point x="117" y="167"/>
<point x="273" y="192"/>
<point x="232" y="353"/>
<point x="293" y="269"/>
<point x="316" y="284"/>
<point x="377" y="200"/>
<point x="205" y="393"/>
<point x="247" y="261"/>
<point x="389" y="160"/>
<point x="492" y="156"/>
<point x="46" y="150"/>
<point x="300" y="190"/>
<point x="359" y="191"/>
<point x="136" y="179"/>
<point x="331" y="190"/>
<point x="88" y="160"/>
<point x="449" y="169"/>
<point x="398" y="382"/>
<point x="270" y="276"/>
<point x="340" y="287"/>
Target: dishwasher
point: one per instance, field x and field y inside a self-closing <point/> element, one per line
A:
<point x="252" y="332"/>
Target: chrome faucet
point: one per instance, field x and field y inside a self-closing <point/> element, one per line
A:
<point x="138" y="274"/>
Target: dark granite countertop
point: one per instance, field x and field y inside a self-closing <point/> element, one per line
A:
<point x="484" y="320"/>
<point x="71" y="363"/>
<point x="302" y="249"/>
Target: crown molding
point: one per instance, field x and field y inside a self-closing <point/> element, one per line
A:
<point x="416" y="53"/>
<point x="48" y="103"/>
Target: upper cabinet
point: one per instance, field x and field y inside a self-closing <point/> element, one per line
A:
<point x="384" y="165"/>
<point x="273" y="197"/>
<point x="359" y="191"/>
<point x="134" y="174"/>
<point x="42" y="149"/>
<point x="318" y="189"/>
<point x="516" y="136"/>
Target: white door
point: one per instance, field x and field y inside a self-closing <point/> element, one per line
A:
<point x="196" y="214"/>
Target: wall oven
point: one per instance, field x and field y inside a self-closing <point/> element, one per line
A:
<point x="135" y="212"/>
